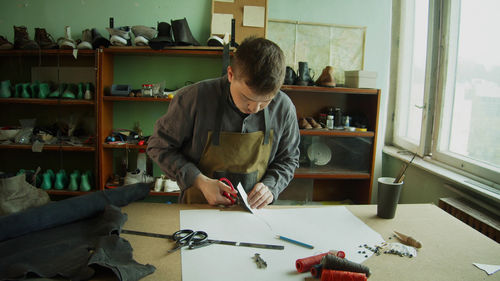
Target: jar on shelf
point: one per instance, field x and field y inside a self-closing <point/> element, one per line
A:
<point x="147" y="90"/>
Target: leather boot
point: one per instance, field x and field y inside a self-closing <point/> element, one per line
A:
<point x="182" y="33"/>
<point x="304" y="78"/>
<point x="5" y="44"/>
<point x="98" y="40"/>
<point x="326" y="79"/>
<point x="43" y="91"/>
<point x="164" y="37"/>
<point x="5" y="89"/>
<point x="290" y="76"/>
<point x="44" y="39"/>
<point x="22" y="41"/>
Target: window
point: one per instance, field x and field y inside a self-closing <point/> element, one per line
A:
<point x="448" y="95"/>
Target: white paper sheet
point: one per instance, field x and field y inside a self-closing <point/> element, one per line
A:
<point x="254" y="16"/>
<point x="221" y="23"/>
<point x="326" y="228"/>
<point x="488" y="268"/>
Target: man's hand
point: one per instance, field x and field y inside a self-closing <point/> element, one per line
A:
<point x="260" y="196"/>
<point x="212" y="190"/>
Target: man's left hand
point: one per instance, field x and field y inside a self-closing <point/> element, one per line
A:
<point x="260" y="196"/>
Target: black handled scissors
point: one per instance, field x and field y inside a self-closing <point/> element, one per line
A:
<point x="190" y="238"/>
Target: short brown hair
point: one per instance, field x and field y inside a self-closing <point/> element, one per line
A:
<point x="260" y="63"/>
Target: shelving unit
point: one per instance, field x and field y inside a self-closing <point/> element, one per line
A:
<point x="54" y="66"/>
<point x="336" y="180"/>
<point x="349" y="172"/>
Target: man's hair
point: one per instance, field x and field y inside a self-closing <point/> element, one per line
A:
<point x="260" y="63"/>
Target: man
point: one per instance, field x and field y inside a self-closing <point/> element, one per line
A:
<point x="239" y="126"/>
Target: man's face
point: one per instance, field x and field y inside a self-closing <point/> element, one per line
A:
<point x="244" y="98"/>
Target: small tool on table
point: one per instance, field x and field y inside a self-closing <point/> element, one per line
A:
<point x="408" y="240"/>
<point x="260" y="262"/>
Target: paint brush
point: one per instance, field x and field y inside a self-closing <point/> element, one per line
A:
<point x="401" y="173"/>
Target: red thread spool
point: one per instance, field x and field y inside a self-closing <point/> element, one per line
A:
<point x="305" y="264"/>
<point x="337" y="275"/>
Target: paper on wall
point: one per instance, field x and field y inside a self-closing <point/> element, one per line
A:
<point x="254" y="16"/>
<point x="221" y="23"/>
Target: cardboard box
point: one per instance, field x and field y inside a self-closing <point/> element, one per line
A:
<point x="360" y="79"/>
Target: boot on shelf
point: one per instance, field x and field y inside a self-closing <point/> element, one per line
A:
<point x="290" y="76"/>
<point x="304" y="76"/>
<point x="44" y="39"/>
<point x="182" y="33"/>
<point x="22" y="40"/>
<point x="5" y="44"/>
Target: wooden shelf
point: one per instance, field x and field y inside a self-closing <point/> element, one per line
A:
<point x="47" y="101"/>
<point x="334" y="133"/>
<point x="50" y="147"/>
<point x="329" y="173"/>
<point x="117" y="98"/>
<point x="155" y="193"/>
<point x="45" y="52"/>
<point x="123" y="146"/>
<point x="174" y="51"/>
<point x="67" y="192"/>
<point x="316" y="89"/>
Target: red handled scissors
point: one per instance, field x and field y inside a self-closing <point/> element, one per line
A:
<point x="230" y="196"/>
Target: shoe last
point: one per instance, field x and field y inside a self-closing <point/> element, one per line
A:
<point x="326" y="79"/>
<point x="159" y="184"/>
<point x="25" y="93"/>
<point x="80" y="91"/>
<point x="5" y="91"/>
<point x="85" y="182"/>
<point x="74" y="178"/>
<point x="18" y="90"/>
<point x="88" y="91"/>
<point x="35" y="89"/>
<point x="43" y="90"/>
<point x="146" y="32"/>
<point x="61" y="180"/>
<point x="303" y="124"/>
<point x="313" y="123"/>
<point x="57" y="93"/>
<point x="46" y="181"/>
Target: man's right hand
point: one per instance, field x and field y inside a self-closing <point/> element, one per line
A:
<point x="213" y="190"/>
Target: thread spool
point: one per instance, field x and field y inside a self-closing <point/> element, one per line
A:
<point x="316" y="270"/>
<point x="336" y="263"/>
<point x="337" y="275"/>
<point x="305" y="264"/>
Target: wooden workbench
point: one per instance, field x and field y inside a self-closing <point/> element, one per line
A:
<point x="449" y="246"/>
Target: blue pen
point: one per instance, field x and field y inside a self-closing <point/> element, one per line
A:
<point x="295" y="242"/>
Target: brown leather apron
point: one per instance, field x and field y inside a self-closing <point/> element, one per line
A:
<point x="240" y="157"/>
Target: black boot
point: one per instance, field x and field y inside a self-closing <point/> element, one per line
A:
<point x="98" y="40"/>
<point x="182" y="33"/>
<point x="290" y="76"/>
<point x="22" y="41"/>
<point x="304" y="78"/>
<point x="164" y="37"/>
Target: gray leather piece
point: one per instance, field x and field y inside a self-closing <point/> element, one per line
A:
<point x="17" y="195"/>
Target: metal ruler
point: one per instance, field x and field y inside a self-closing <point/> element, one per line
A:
<point x="222" y="242"/>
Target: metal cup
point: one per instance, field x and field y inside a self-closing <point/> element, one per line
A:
<point x="388" y="197"/>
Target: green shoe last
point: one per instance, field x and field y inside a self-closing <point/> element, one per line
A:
<point x="5" y="89"/>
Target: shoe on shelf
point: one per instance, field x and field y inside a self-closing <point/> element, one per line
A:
<point x="88" y="95"/>
<point x="143" y="34"/>
<point x="171" y="186"/>
<point x="86" y="42"/>
<point x="5" y="91"/>
<point x="22" y="40"/>
<point x="326" y="79"/>
<point x="5" y="44"/>
<point x="164" y="37"/>
<point x="86" y="180"/>
<point x="44" y="39"/>
<point x="290" y="76"/>
<point x="159" y="182"/>
<point x="182" y="33"/>
<point x="303" y="124"/>
<point x="137" y="176"/>
<point x="43" y="90"/>
<point x="304" y="77"/>
<point x="35" y="89"/>
<point x="61" y="180"/>
<point x="120" y="36"/>
<point x="313" y="123"/>
<point x="98" y="40"/>
<point x="74" y="178"/>
<point x="66" y="42"/>
<point x="25" y="93"/>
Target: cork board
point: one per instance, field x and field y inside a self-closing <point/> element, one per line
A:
<point x="238" y="9"/>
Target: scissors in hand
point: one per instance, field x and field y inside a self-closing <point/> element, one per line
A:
<point x="190" y="238"/>
<point x="230" y="196"/>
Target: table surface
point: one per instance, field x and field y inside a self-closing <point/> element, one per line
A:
<point x="449" y="246"/>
